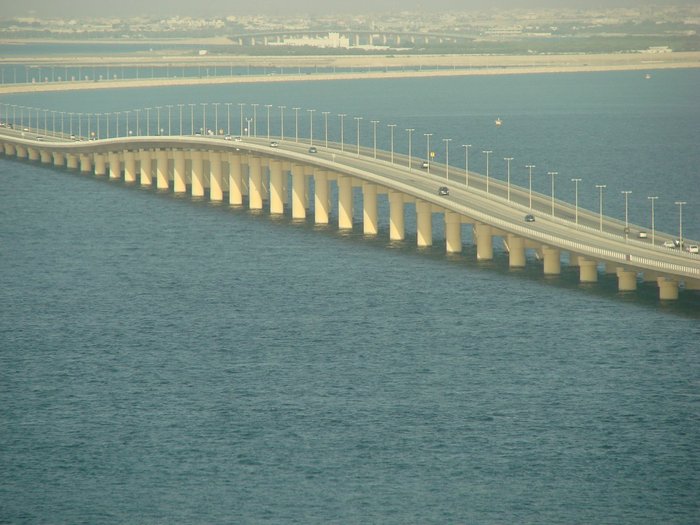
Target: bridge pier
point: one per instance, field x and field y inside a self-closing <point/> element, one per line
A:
<point x="588" y="270"/>
<point x="100" y="164"/>
<point x="216" y="184"/>
<point x="483" y="235"/>
<point x="146" y="167"/>
<point x="321" y="199"/>
<point x="58" y="159"/>
<point x="626" y="280"/>
<point x="397" y="230"/>
<point x="85" y="163"/>
<point x="45" y="157"/>
<point x="298" y="192"/>
<point x="255" y="192"/>
<point x="115" y="168"/>
<point x="179" y="177"/>
<point x="516" y="251"/>
<point x="162" y="179"/>
<point x="235" y="180"/>
<point x="10" y="149"/>
<point x="552" y="260"/>
<point x="197" y="187"/>
<point x="71" y="161"/>
<point x="453" y="232"/>
<point x="130" y="166"/>
<point x="276" y="188"/>
<point x="344" y="202"/>
<point x="424" y="224"/>
<point x="21" y="152"/>
<point x="33" y="153"/>
<point x="668" y="289"/>
<point x="369" y="208"/>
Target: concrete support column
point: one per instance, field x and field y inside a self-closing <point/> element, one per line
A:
<point x="276" y="188"/>
<point x="71" y="161"/>
<point x="100" y="164"/>
<point x="45" y="156"/>
<point x="22" y="153"/>
<point x="235" y="180"/>
<point x="453" y="232"/>
<point x="298" y="192"/>
<point x="115" y="166"/>
<point x="129" y="166"/>
<point x="588" y="270"/>
<point x="516" y="251"/>
<point x="33" y="153"/>
<point x="344" y="202"/>
<point x="255" y="190"/>
<point x="216" y="185"/>
<point x="321" y="200"/>
<point x="162" y="179"/>
<point x="424" y="224"/>
<point x="369" y="210"/>
<point x="397" y="230"/>
<point x="85" y="163"/>
<point x="58" y="158"/>
<point x="10" y="150"/>
<point x="197" y="174"/>
<point x="146" y="167"/>
<point x="179" y="178"/>
<point x="552" y="260"/>
<point x="626" y="280"/>
<point x="668" y="289"/>
<point x="484" y="242"/>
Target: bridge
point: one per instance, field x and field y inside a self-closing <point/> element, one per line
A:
<point x="302" y="176"/>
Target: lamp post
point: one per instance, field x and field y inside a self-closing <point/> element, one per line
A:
<point x="680" y="223"/>
<point x="248" y="125"/>
<point x="627" y="224"/>
<point x="148" y="122"/>
<point x="170" y="109"/>
<point x="447" y="158"/>
<point x="268" y="106"/>
<point x="282" y="108"/>
<point x="255" y="120"/>
<point x="116" y="130"/>
<point x="427" y="149"/>
<point x="138" y="121"/>
<point x="107" y="117"/>
<point x="552" y="174"/>
<point x="216" y="117"/>
<point x="180" y="106"/>
<point x="529" y="167"/>
<point x="358" y="119"/>
<point x="653" y="229"/>
<point x="158" y="108"/>
<point x="80" y="124"/>
<point x="296" y="124"/>
<point x="204" y="118"/>
<point x="601" y="187"/>
<point x="228" y="117"/>
<point x="576" y="181"/>
<point x="391" y="128"/>
<point x="466" y="163"/>
<point x="487" y="152"/>
<point x="311" y="126"/>
<point x="342" y="130"/>
<point x="410" y="132"/>
<point x="98" y="115"/>
<point x="374" y="136"/>
<point x="508" y="159"/>
<point x="191" y="118"/>
<point x="241" y="104"/>
<point x="325" y="126"/>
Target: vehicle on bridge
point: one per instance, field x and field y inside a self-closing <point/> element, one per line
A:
<point x="529" y="218"/>
<point x="443" y="190"/>
<point x="313" y="149"/>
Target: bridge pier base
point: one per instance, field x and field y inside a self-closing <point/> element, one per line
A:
<point x="146" y="166"/>
<point x="424" y="224"/>
<point x="453" y="232"/>
<point x="33" y="153"/>
<point x="516" y="251"/>
<point x="85" y="163"/>
<point x="129" y="166"/>
<point x="162" y="179"/>
<point x="235" y="180"/>
<point x="321" y="200"/>
<point x="397" y="230"/>
<point x="344" y="202"/>
<point x="179" y="178"/>
<point x="298" y="192"/>
<point x="552" y="260"/>
<point x="588" y="270"/>
<point x="668" y="289"/>
<point x="276" y="188"/>
<point x="115" y="167"/>
<point x="21" y="152"/>
<point x="216" y="185"/>
<point x="626" y="280"/>
<point x="369" y="208"/>
<point x="58" y="158"/>
<point x="484" y="242"/>
<point x="11" y="150"/>
<point x="45" y="157"/>
<point x="71" y="161"/>
<point x="255" y="190"/>
<point x="100" y="164"/>
<point x="197" y="188"/>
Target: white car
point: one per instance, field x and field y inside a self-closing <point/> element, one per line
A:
<point x="692" y="248"/>
<point x="669" y="244"/>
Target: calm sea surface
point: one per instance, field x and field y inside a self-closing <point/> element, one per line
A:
<point x="164" y="360"/>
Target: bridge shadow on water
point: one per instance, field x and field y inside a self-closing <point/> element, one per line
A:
<point x="646" y="295"/>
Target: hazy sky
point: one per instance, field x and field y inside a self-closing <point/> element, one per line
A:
<point x="205" y="8"/>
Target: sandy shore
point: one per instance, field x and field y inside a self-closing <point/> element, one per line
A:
<point x="375" y="67"/>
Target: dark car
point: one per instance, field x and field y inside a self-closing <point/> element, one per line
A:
<point x="443" y="190"/>
<point x="313" y="149"/>
<point x="529" y="218"/>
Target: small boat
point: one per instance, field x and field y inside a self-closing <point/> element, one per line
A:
<point x="647" y="76"/>
<point x="498" y="121"/>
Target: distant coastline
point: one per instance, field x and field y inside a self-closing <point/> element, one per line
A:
<point x="444" y="66"/>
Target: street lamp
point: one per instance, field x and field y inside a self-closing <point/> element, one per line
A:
<point x="427" y="149"/>
<point x="268" y="106"/>
<point x="391" y="128"/>
<point x="342" y="130"/>
<point x="576" y="181"/>
<point x="529" y="167"/>
<point x="282" y="108"/>
<point x="358" y="119"/>
<point x="653" y="230"/>
<point x="296" y="124"/>
<point x="508" y="159"/>
<point x="552" y="174"/>
<point x="680" y="223"/>
<point x="170" y="108"/>
<point x="447" y="158"/>
<point x="487" y="152"/>
<point x="191" y="118"/>
<point x="204" y="118"/>
<point x="601" y="187"/>
<point x="180" y="129"/>
<point x="241" y="104"/>
<point x="311" y="126"/>
<point x="410" y="132"/>
<point x="627" y="229"/>
<point x="374" y="133"/>
<point x="158" y="108"/>
<point x="148" y="122"/>
<point x="216" y="117"/>
<point x="325" y="126"/>
<point x="255" y="120"/>
<point x="228" y="117"/>
<point x="466" y="163"/>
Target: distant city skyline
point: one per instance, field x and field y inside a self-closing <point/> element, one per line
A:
<point x="166" y="8"/>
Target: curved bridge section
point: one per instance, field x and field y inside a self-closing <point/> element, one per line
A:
<point x="289" y="175"/>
